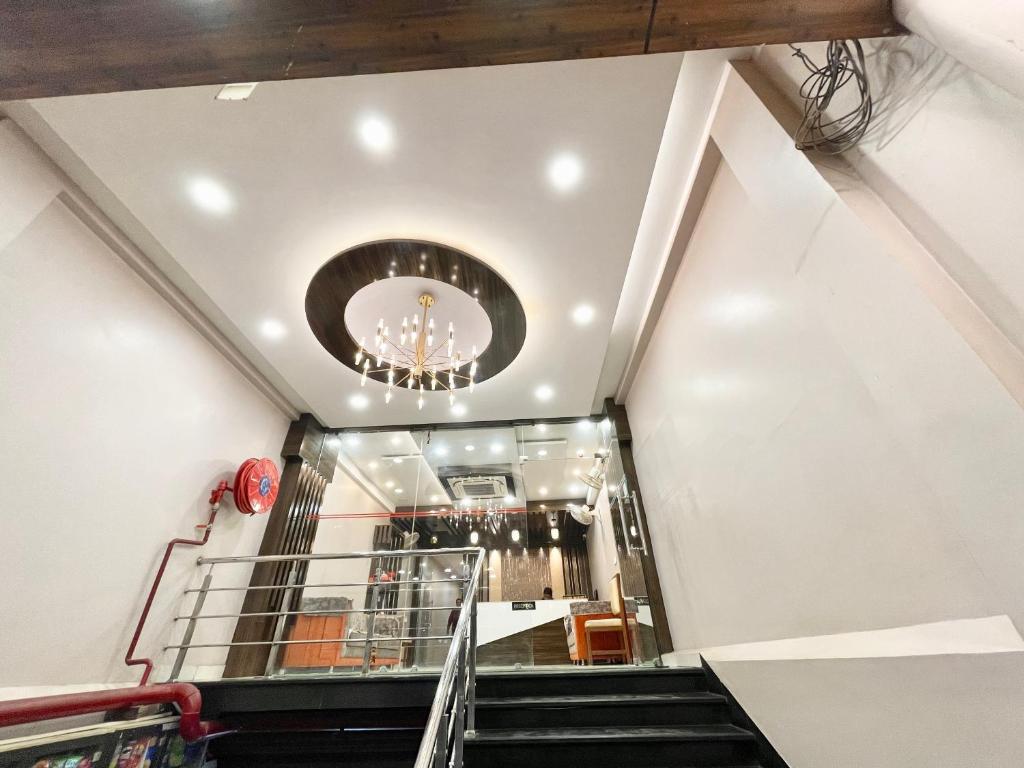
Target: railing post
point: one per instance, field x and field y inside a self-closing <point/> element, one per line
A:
<point x="282" y="619"/>
<point x="441" y="745"/>
<point x="471" y="693"/>
<point x="186" y="639"/>
<point x="460" y="706"/>
<point x="371" y="619"/>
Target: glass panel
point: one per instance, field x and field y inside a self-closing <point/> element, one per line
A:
<point x="547" y="502"/>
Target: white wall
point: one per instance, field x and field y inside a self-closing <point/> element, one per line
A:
<point x="117" y="418"/>
<point x="822" y="452"/>
<point x="946" y="152"/>
<point x="601" y="550"/>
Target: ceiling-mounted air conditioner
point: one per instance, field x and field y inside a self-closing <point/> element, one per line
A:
<point x="479" y="487"/>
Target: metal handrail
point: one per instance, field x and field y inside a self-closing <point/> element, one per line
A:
<point x="372" y="612"/>
<point x="458" y="673"/>
<point x="338" y="555"/>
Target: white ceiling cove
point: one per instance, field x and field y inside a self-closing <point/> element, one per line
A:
<point x="461" y="157"/>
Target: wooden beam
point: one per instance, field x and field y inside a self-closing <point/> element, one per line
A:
<point x="688" y="25"/>
<point x="61" y="47"/>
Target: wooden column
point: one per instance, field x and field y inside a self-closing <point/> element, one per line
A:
<point x="310" y="457"/>
<point x="617" y="414"/>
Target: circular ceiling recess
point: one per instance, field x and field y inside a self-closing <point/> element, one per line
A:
<point x="384" y="279"/>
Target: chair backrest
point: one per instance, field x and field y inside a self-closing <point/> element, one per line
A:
<point x="615" y="597"/>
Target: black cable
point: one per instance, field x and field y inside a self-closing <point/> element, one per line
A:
<point x="844" y="62"/>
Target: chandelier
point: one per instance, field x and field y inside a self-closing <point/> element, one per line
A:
<point x="414" y="360"/>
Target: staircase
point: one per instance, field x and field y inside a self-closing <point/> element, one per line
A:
<point x="623" y="717"/>
<point x="617" y="716"/>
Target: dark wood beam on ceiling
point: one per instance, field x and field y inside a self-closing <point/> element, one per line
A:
<point x="62" y="47"/>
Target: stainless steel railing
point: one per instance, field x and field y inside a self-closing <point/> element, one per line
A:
<point x="468" y="579"/>
<point x="453" y="711"/>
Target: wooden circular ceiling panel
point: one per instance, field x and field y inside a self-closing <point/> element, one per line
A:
<point x="342" y="277"/>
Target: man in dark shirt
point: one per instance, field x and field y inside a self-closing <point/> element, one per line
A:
<point x="453" y="617"/>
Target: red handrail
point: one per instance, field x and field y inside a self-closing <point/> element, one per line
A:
<point x="184" y="695"/>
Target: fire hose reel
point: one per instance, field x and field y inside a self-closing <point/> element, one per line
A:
<point x="256" y="485"/>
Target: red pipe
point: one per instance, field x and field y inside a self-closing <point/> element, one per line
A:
<point x="184" y="695"/>
<point x="129" y="658"/>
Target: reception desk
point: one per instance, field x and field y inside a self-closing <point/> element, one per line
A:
<point x="539" y="633"/>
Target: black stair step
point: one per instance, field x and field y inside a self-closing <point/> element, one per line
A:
<point x="591" y="681"/>
<point x="604" y="709"/>
<point x="632" y="747"/>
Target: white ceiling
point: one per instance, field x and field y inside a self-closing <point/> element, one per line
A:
<point x="468" y="168"/>
<point x="550" y="470"/>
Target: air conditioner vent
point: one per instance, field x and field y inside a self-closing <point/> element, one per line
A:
<point x="489" y="487"/>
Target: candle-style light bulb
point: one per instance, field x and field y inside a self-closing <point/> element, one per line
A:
<point x="433" y="378"/>
<point x="366" y="367"/>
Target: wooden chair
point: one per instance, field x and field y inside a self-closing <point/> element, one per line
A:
<point x="618" y="625"/>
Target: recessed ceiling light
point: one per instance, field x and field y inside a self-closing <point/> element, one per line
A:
<point x="434" y="498"/>
<point x="398" y="490"/>
<point x="510" y="499"/>
<point x="543" y="506"/>
<point x="396" y="440"/>
<point x="579" y="453"/>
<point x="575" y="489"/>
<point x="236" y="92"/>
<point x="373" y="465"/>
<point x="565" y="171"/>
<point x="470" y="448"/>
<point x="210" y="196"/>
<point x="583" y="314"/>
<point x="495" y="447"/>
<point x="376" y="134"/>
<point x="358" y="402"/>
<point x="542" y="428"/>
<point x="389" y="484"/>
<point x="542" y="452"/>
<point x="543" y="491"/>
<point x="543" y="393"/>
<point x="458" y="410"/>
<point x="515" y="534"/>
<point x="440" y="450"/>
<point x="273" y="329"/>
<point x="584" y="424"/>
<point x="397" y="460"/>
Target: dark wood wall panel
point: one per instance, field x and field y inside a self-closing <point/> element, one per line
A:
<point x="61" y="47"/>
<point x="310" y="457"/>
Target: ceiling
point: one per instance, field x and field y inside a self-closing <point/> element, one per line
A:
<point x="240" y="203"/>
<point x="543" y="460"/>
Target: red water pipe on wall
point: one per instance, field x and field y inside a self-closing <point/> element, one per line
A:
<point x="185" y="696"/>
<point x="216" y="495"/>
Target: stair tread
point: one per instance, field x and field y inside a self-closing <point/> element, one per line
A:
<point x="625" y="699"/>
<point x="634" y="733"/>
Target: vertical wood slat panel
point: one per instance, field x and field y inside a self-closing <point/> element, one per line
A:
<point x="291" y="530"/>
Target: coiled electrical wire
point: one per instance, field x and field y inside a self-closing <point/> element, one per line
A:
<point x="844" y="63"/>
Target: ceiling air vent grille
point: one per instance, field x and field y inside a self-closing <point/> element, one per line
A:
<point x="491" y="487"/>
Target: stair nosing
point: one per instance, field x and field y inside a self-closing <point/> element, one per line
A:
<point x="716" y="732"/>
<point x="600" y="699"/>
